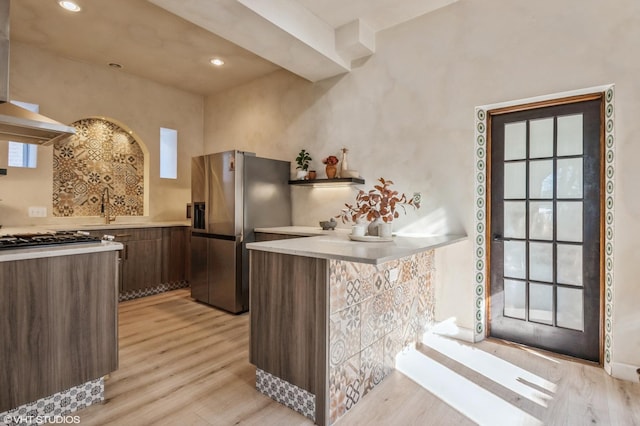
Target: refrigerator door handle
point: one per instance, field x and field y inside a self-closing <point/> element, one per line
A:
<point x="236" y="238"/>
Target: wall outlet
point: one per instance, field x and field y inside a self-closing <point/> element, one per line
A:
<point x="37" y="212"/>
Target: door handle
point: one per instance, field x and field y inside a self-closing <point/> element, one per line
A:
<point x="500" y="238"/>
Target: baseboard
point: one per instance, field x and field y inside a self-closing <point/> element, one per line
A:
<point x="57" y="407"/>
<point x="624" y="372"/>
<point x="448" y="328"/>
<point x="150" y="291"/>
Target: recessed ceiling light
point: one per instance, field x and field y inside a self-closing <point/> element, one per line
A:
<point x="217" y="62"/>
<point x="69" y="5"/>
<point x="115" y="65"/>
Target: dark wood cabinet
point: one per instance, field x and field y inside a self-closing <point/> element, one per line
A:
<point x="174" y="254"/>
<point x="58" y="327"/>
<point x="141" y="267"/>
<point x="141" y="256"/>
<point x="151" y="256"/>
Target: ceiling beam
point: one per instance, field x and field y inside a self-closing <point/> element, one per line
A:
<point x="281" y="31"/>
<point x="290" y="35"/>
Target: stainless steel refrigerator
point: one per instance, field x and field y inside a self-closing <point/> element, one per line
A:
<point x="232" y="193"/>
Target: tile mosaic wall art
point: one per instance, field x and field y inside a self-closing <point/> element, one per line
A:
<point x="375" y="312"/>
<point x="100" y="155"/>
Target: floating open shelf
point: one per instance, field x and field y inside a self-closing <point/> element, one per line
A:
<point x="328" y="182"/>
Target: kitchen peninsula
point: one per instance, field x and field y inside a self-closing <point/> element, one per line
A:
<point x="329" y="315"/>
<point x="58" y="329"/>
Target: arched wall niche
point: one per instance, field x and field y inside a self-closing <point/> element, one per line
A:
<point x="103" y="154"/>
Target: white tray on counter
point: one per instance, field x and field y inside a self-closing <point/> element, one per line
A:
<point x="369" y="238"/>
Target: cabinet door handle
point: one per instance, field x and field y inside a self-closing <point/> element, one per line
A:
<point x="122" y="235"/>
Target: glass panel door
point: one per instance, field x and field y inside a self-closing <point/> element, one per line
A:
<point x="545" y="221"/>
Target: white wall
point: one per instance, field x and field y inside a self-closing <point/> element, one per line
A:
<point x="67" y="91"/>
<point x="408" y="113"/>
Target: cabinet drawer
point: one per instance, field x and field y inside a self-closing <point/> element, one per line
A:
<point x="130" y="234"/>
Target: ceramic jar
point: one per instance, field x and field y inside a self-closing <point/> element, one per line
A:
<point x="358" y="230"/>
<point x="373" y="227"/>
<point x="384" y="229"/>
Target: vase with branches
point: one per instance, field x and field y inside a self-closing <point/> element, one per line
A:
<point x="380" y="204"/>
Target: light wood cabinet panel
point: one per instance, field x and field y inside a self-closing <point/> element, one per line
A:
<point x="58" y="324"/>
<point x="289" y="319"/>
<point x="84" y="330"/>
<point x="25" y="368"/>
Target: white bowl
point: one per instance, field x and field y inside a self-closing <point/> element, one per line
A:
<point x="350" y="173"/>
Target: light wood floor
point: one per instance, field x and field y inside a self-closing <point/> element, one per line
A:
<point x="183" y="363"/>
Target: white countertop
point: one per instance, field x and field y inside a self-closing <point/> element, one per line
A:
<point x="303" y="231"/>
<point x="44" y="229"/>
<point x="60" y="250"/>
<point x="339" y="246"/>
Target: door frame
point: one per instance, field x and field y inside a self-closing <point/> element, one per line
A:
<point x="482" y="207"/>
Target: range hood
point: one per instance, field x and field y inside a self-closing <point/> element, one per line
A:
<point x="18" y="124"/>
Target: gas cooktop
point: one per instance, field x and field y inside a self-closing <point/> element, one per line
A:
<point x="37" y="240"/>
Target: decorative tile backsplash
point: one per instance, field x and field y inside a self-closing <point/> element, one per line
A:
<point x="298" y="399"/>
<point x="56" y="407"/>
<point x="123" y="296"/>
<point x="100" y="155"/>
<point x="375" y="311"/>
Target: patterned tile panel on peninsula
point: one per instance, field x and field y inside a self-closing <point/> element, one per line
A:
<point x="333" y="327"/>
<point x="375" y="311"/>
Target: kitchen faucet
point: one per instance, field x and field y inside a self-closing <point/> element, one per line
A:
<point x="105" y="207"/>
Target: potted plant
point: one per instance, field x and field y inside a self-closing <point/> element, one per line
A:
<point x="303" y="160"/>
<point x="380" y="205"/>
<point x="331" y="169"/>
